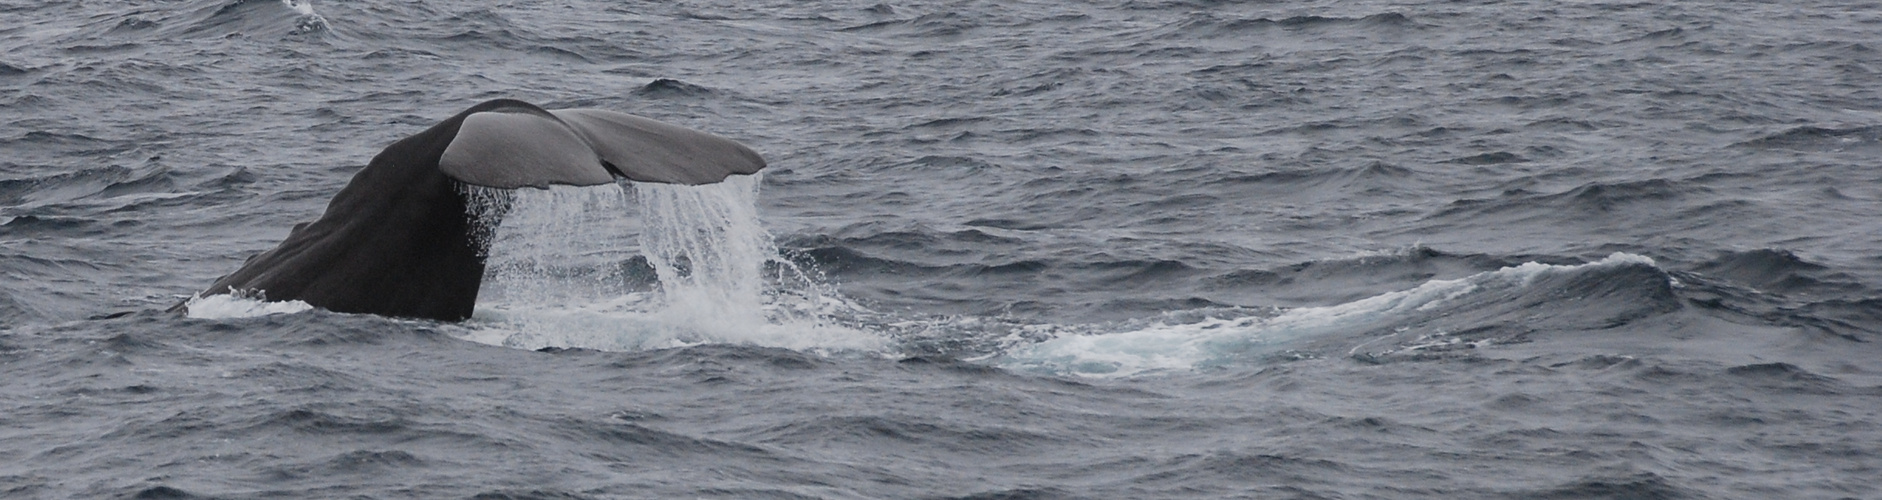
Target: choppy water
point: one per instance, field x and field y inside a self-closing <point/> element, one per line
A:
<point x="1122" y="249"/>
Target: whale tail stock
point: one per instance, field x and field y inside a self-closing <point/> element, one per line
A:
<point x="398" y="241"/>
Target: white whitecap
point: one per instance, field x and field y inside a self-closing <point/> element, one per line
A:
<point x="304" y="7"/>
<point x="1187" y="345"/>
<point x="226" y="306"/>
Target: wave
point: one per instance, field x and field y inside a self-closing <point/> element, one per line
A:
<point x="1203" y="25"/>
<point x="40" y="202"/>
<point x="1599" y="197"/>
<point x="1813" y="138"/>
<point x="1375" y="177"/>
<point x="989" y="273"/>
<point x="59" y="187"/>
<point x="1348" y="279"/>
<point x="1849" y="318"/>
<point x="667" y="88"/>
<point x="484" y="29"/>
<point x="28" y="225"/>
<point x="203" y="19"/>
<point x="1786" y="378"/>
<point x="1484" y="309"/>
<point x="937" y="25"/>
<point x="992" y="284"/>
<point x="927" y="432"/>
<point x="267" y="19"/>
<point x="1778" y="287"/>
<point x="1637" y="485"/>
<point x="9" y="70"/>
<point x="1493" y="158"/>
<point x="1779" y="271"/>
<point x="70" y="143"/>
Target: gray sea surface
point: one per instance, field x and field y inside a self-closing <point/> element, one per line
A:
<point x="1038" y="250"/>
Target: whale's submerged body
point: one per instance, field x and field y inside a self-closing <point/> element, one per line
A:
<point x="398" y="240"/>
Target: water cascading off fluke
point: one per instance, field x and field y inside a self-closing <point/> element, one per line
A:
<point x="571" y="266"/>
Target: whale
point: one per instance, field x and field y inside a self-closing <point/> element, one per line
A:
<point x="407" y="236"/>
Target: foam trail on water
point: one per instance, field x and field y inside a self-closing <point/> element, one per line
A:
<point x="1186" y="345"/>
<point x="563" y="272"/>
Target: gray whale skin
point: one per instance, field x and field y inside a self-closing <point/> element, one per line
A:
<point x="398" y="241"/>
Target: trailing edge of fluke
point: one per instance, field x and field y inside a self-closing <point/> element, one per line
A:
<point x="398" y="239"/>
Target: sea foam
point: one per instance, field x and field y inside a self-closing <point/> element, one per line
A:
<point x="1186" y="345"/>
<point x="229" y="305"/>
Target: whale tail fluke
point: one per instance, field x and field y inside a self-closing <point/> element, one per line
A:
<point x="396" y="240"/>
<point x="513" y="144"/>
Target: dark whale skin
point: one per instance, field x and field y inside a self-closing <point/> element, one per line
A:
<point x="396" y="241"/>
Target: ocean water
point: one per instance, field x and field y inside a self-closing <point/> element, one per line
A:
<point x="1040" y="250"/>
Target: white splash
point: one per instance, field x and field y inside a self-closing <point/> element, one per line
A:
<point x="231" y="305"/>
<point x="562" y="273"/>
<point x="708" y="248"/>
<point x="1166" y="347"/>
<point x="304" y="7"/>
<point x="309" y="21"/>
